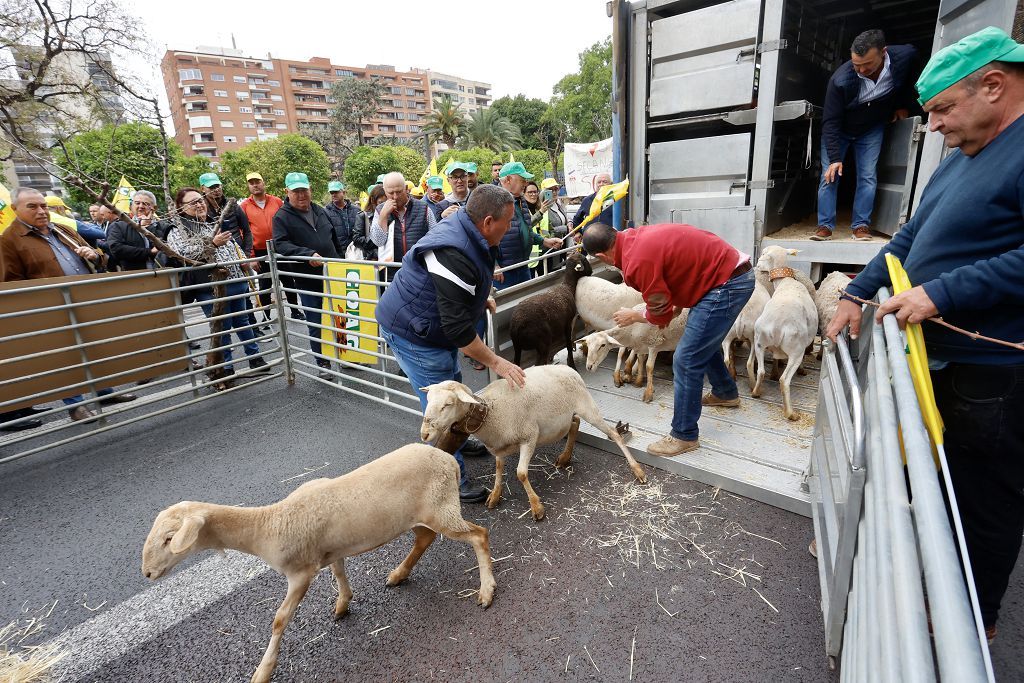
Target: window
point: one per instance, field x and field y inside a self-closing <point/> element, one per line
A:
<point x="267" y="66"/>
<point x="250" y="138"/>
<point x="462" y="89"/>
<point x="230" y="138"/>
<point x="241" y="94"/>
<point x="238" y="79"/>
<point x="200" y="122"/>
<point x="410" y="91"/>
<point x="216" y="77"/>
<point x="275" y="98"/>
<point x="208" y="153"/>
<point x="248" y="124"/>
<point x="223" y="108"/>
<point x="400" y="128"/>
<point x="276" y="84"/>
<point x="396" y="103"/>
<point x="227" y="124"/>
<point x="395" y="91"/>
<point x="220" y="93"/>
<point x="282" y="126"/>
<point x="279" y="112"/>
<point x="414" y="129"/>
<point x="343" y="72"/>
<point x="400" y="115"/>
<point x="190" y="75"/>
<point x="245" y="110"/>
<point x="267" y="136"/>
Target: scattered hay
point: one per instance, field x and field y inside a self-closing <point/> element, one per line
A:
<point x="21" y="663"/>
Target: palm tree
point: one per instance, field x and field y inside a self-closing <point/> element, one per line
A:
<point x="446" y="123"/>
<point x="487" y="128"/>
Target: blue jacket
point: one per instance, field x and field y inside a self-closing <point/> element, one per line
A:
<point x="604" y="217"/>
<point x="844" y="114"/>
<point x="438" y="207"/>
<point x="965" y="246"/>
<point x="408" y="307"/>
<point x="344" y="221"/>
<point x="517" y="243"/>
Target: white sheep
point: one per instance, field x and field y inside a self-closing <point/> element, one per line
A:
<point x="826" y="299"/>
<point x="507" y="419"/>
<point x="743" y="330"/>
<point x="324" y="521"/>
<point x="643" y="338"/>
<point x="597" y="300"/>
<point x="787" y="325"/>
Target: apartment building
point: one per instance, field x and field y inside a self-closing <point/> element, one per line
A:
<point x="221" y="99"/>
<point x="472" y="95"/>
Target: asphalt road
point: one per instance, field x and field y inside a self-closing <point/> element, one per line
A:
<point x="672" y="581"/>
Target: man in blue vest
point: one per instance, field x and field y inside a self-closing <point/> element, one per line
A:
<point x="429" y="312"/>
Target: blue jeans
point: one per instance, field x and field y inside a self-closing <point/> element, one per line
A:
<point x="313" y="300"/>
<point x="236" y="306"/>
<point x="700" y="352"/>
<point x="866" y="148"/>
<point x="426" y="365"/>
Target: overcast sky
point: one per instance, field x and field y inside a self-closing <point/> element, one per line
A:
<point x="522" y="46"/>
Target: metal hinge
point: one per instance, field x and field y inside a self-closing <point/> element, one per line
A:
<point x="767" y="46"/>
<point x="919" y="131"/>
<point x="752" y="185"/>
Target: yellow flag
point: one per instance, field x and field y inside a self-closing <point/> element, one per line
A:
<point x="511" y="157"/>
<point x="604" y="196"/>
<point x="364" y="199"/>
<point x="123" y="196"/>
<point x="6" y="210"/>
<point x="63" y="220"/>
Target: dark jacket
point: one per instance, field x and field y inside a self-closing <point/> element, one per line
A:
<point x="415" y="228"/>
<point x="294" y="236"/>
<point x="438" y="207"/>
<point x="361" y="237"/>
<point x="344" y="221"/>
<point x="409" y="306"/>
<point x="604" y="217"/>
<point x="129" y="247"/>
<point x="517" y="243"/>
<point x="237" y="223"/>
<point x="844" y="114"/>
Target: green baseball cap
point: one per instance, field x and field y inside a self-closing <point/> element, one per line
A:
<point x="380" y="178"/>
<point x="458" y="166"/>
<point x="435" y="182"/>
<point x="470" y="167"/>
<point x="954" y="62"/>
<point x="335" y="186"/>
<point x="296" y="181"/>
<point x="515" y="168"/>
<point x="209" y="180"/>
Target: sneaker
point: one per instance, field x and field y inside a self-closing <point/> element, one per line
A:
<point x="667" y="446"/>
<point x="298" y="315"/>
<point x="325" y="370"/>
<point x="710" y="399"/>
<point x="474" y="448"/>
<point x="822" y="234"/>
<point x="21" y="426"/>
<point x="813" y="548"/>
<point x="194" y="345"/>
<point x="862" y="234"/>
<point x="468" y="493"/>
<point x="476" y="365"/>
<point x="120" y="398"/>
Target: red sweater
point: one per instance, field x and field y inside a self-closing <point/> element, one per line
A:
<point x="673" y="265"/>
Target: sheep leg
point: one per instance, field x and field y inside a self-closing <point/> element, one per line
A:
<point x="791" y="368"/>
<point x="652" y="356"/>
<point x="518" y="355"/>
<point x="569" y="347"/>
<point x="298" y="584"/>
<point x="523" y="474"/>
<point x="424" y="537"/>
<point x="589" y="411"/>
<point x="476" y="536"/>
<point x="730" y="363"/>
<point x="499" y="476"/>
<point x="641" y="359"/>
<point x="627" y="370"/>
<point x="750" y="367"/>
<point x="759" y="352"/>
<point x="616" y="375"/>
<point x="344" y="590"/>
<point x="776" y="367"/>
<point x="570" y="442"/>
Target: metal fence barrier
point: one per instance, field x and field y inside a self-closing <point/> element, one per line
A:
<point x="879" y="560"/>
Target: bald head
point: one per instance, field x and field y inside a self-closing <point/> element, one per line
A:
<point x="396" y="190"/>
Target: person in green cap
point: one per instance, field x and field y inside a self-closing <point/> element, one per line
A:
<point x="435" y="195"/>
<point x="237" y="223"/>
<point x="458" y="178"/>
<point x="471" y="178"/>
<point x="964" y="252"/>
<point x="343" y="214"/>
<point x="517" y="243"/>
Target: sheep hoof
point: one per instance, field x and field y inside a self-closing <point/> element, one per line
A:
<point x="801" y="371"/>
<point x="640" y="475"/>
<point x="340" y="611"/>
<point x="638" y="381"/>
<point x="648" y="396"/>
<point x="486" y="595"/>
<point x="261" y="675"/>
<point x="617" y="378"/>
<point x="538" y="512"/>
<point x="792" y="415"/>
<point x="396" y="577"/>
<point x="492" y="500"/>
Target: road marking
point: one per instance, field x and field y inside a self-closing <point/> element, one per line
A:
<point x="95" y="643"/>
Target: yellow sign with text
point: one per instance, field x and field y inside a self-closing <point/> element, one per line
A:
<point x="348" y="298"/>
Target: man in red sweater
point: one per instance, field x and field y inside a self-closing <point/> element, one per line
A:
<point x="675" y="267"/>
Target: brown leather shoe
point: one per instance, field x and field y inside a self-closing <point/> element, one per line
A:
<point x="710" y="399"/>
<point x="80" y="413"/>
<point x="822" y="234"/>
<point x="862" y="234"/>
<point x="667" y="446"/>
<point x="120" y="398"/>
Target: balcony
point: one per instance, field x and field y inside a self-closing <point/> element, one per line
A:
<point x="211" y="145"/>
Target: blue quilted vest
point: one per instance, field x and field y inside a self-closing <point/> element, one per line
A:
<point x="408" y="307"/>
<point x="416" y="226"/>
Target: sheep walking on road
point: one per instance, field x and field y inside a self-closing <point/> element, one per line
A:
<point x="510" y="419"/>
<point x="324" y="521"/>
<point x="543" y="322"/>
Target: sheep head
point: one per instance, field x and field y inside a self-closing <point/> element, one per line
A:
<point x="448" y="402"/>
<point x="577" y="265"/>
<point x="599" y="344"/>
<point x="172" y="538"/>
<point x="774" y="257"/>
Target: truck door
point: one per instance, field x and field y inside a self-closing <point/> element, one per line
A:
<point x="895" y="170"/>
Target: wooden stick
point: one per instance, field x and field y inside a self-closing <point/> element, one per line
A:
<point x="939" y="321"/>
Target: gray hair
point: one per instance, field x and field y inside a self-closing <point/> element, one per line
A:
<point x="394" y="177"/>
<point x="972" y="80"/>
<point x="487" y="200"/>
<point x="18" y="192"/>
<point x="145" y="193"/>
<point x="867" y="40"/>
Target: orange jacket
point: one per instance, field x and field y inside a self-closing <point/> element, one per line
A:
<point x="261" y="221"/>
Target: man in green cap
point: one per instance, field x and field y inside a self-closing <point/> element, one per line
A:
<point x="343" y="213"/>
<point x="458" y="178"/>
<point x="237" y="223"/>
<point x="435" y="195"/>
<point x="516" y="245"/>
<point x="963" y="251"/>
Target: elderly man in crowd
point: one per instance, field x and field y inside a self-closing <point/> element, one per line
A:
<point x="973" y="278"/>
<point x="430" y="310"/>
<point x="458" y="178"/>
<point x="302" y="228"/>
<point x="129" y="248"/>
<point x="516" y="245"/>
<point x="400" y="221"/>
<point x="600" y="180"/>
<point x="32" y="247"/>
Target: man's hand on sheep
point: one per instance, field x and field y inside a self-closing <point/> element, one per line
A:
<point x="627" y="316"/>
<point x="847" y="313"/>
<point x="911" y="306"/>
<point x="510" y="371"/>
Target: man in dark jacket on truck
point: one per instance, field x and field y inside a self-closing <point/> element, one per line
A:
<point x="302" y="228"/>
<point x="871" y="90"/>
<point x="973" y="278"/>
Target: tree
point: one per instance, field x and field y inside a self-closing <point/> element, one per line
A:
<point x="535" y="161"/>
<point x="552" y="134"/>
<point x="525" y="113"/>
<point x="355" y="101"/>
<point x="477" y="155"/>
<point x="274" y="159"/>
<point x="366" y="163"/>
<point x="583" y="101"/>
<point x="488" y="128"/>
<point x="446" y="122"/>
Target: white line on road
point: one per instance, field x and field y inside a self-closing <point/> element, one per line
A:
<point x="114" y="633"/>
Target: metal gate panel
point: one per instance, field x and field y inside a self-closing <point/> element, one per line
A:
<point x="734" y="224"/>
<point x="697" y="174"/>
<point x="896" y="175"/>
<point x="704" y="59"/>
